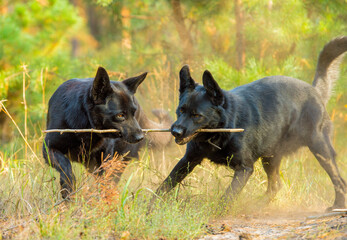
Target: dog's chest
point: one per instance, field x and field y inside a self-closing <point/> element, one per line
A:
<point x="90" y="143"/>
<point x="223" y="156"/>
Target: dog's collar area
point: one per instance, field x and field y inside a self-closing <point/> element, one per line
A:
<point x="216" y="146"/>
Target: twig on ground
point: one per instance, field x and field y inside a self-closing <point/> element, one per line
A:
<point x="336" y="212"/>
<point x="340" y="210"/>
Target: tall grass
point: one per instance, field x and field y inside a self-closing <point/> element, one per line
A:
<point x="31" y="206"/>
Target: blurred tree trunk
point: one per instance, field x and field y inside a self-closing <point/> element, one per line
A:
<point x="184" y="34"/>
<point x="126" y="37"/>
<point x="94" y="19"/>
<point x="240" y="42"/>
<point x="95" y="16"/>
<point x="6" y="126"/>
<point x="6" y="131"/>
<point x="74" y="41"/>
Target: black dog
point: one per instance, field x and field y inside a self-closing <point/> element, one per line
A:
<point x="100" y="104"/>
<point x="279" y="115"/>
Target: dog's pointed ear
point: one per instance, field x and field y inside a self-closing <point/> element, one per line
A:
<point x="186" y="81"/>
<point x="101" y="86"/>
<point x="213" y="90"/>
<point x="133" y="82"/>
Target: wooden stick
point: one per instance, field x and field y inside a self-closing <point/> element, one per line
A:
<point x="61" y="131"/>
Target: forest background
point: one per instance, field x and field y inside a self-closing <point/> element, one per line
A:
<point x="46" y="42"/>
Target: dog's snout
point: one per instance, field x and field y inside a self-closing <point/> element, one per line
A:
<point x="177" y="131"/>
<point x="139" y="137"/>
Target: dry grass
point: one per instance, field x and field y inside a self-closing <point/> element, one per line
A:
<point x="32" y="208"/>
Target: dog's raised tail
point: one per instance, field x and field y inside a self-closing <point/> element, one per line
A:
<point x="327" y="71"/>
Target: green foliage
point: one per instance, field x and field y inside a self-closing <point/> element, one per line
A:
<point x="34" y="46"/>
<point x="33" y="30"/>
<point x="104" y="3"/>
<point x="35" y="34"/>
<point x="229" y="77"/>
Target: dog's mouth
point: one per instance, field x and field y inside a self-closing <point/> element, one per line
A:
<point x="117" y="134"/>
<point x="182" y="141"/>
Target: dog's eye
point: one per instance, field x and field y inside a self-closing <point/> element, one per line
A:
<point x="196" y="115"/>
<point x="120" y="116"/>
<point x="181" y="110"/>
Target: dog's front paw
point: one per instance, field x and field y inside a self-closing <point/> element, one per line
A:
<point x="65" y="193"/>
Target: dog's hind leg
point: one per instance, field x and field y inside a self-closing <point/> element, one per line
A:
<point x="63" y="165"/>
<point x="322" y="149"/>
<point x="271" y="166"/>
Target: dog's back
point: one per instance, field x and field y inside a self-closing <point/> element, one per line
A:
<point x="277" y="112"/>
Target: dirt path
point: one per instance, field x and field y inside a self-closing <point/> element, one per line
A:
<point x="278" y="226"/>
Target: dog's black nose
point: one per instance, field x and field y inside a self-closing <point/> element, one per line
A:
<point x="177" y="131"/>
<point x="139" y="137"/>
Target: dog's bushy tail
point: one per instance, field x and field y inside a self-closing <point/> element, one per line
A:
<point x="327" y="71"/>
<point x="157" y="140"/>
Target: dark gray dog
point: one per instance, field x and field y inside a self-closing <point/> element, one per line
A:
<point x="279" y="114"/>
<point x="100" y="104"/>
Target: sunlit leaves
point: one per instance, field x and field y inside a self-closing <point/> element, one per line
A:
<point x="104" y="3"/>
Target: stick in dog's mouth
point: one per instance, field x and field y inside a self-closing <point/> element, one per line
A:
<point x="186" y="139"/>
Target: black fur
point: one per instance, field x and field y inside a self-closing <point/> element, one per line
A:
<point x="100" y="104"/>
<point x="279" y="115"/>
